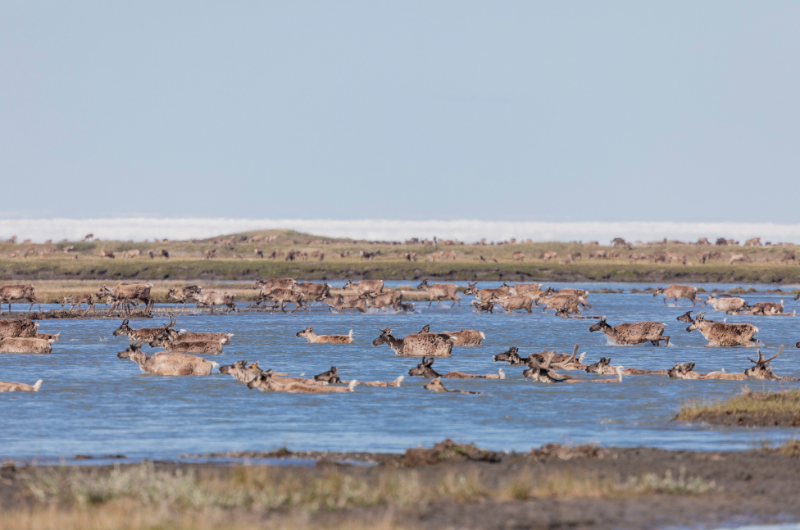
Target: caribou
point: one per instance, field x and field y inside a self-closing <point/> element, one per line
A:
<point x="514" y="303"/>
<point x="207" y="346"/>
<point x="439" y="292"/>
<point x="10" y="293"/>
<point x="723" y="334"/>
<point x="313" y="338"/>
<point x="145" y="334"/>
<point x="332" y="376"/>
<point x="603" y="367"/>
<point x="183" y="295"/>
<point x="265" y="382"/>
<point x="212" y="298"/>
<point x="633" y="333"/>
<point x="6" y="386"/>
<point x="437" y="386"/>
<point x="466" y="337"/>
<point x="25" y="345"/>
<point x="275" y="283"/>
<point x="731" y="305"/>
<point x="164" y="363"/>
<point x="545" y="372"/>
<point x="348" y="301"/>
<point x="125" y="293"/>
<point x="316" y="292"/>
<point x="418" y="345"/>
<point x="393" y="299"/>
<point x="425" y="370"/>
<point x="365" y="286"/>
<point x="676" y="291"/>
<point x="484" y="295"/>
<point x="78" y="299"/>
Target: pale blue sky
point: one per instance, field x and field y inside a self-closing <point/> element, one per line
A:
<point x="552" y="111"/>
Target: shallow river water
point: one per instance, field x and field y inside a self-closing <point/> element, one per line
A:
<point x="93" y="403"/>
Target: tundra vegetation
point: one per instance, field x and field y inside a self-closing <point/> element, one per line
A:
<point x="447" y="485"/>
<point x="289" y="253"/>
<point x="749" y="408"/>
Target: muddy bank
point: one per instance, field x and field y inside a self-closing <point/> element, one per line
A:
<point x="448" y="486"/>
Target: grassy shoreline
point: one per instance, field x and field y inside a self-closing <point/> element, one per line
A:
<point x="761" y="409"/>
<point x="249" y="269"/>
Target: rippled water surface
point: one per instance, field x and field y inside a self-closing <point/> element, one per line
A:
<point x="93" y="403"/>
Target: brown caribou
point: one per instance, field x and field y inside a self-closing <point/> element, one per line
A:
<point x="208" y="346"/>
<point x="316" y="292"/>
<point x="418" y="345"/>
<point x="545" y="372"/>
<point x="124" y="293"/>
<point x="6" y="386"/>
<point x="365" y="286"/>
<point x="332" y="376"/>
<point x="393" y="299"/>
<point x="77" y="300"/>
<point x="676" y="291"/>
<point x="439" y="292"/>
<point x="633" y="333"/>
<point x="201" y="336"/>
<point x="183" y="294"/>
<point x="767" y="308"/>
<point x="563" y="304"/>
<point x="514" y="303"/>
<point x="723" y="334"/>
<point x="484" y="295"/>
<point x="313" y="338"/>
<point x="437" y="386"/>
<point x="603" y="367"/>
<point x="10" y="293"/>
<point x="275" y="283"/>
<point x="733" y="304"/>
<point x="762" y="369"/>
<point x="164" y="363"/>
<point x="145" y="334"/>
<point x="265" y="382"/>
<point x="25" y="345"/>
<point x="212" y="298"/>
<point x="426" y="371"/>
<point x="466" y="337"/>
<point x="348" y="301"/>
<point x="523" y="288"/>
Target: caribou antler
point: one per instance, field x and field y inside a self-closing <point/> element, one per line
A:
<point x="764" y="362"/>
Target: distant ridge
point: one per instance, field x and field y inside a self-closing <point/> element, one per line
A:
<point x="141" y="228"/>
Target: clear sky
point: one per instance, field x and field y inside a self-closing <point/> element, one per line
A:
<point x="524" y="111"/>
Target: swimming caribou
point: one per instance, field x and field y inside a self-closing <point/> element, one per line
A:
<point x="6" y="386"/>
<point x="311" y="337"/>
<point x="164" y="363"/>
<point x="418" y="345"/>
<point x="425" y="369"/>
<point x="633" y="333"/>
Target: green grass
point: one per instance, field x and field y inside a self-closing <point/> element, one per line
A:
<point x="754" y="406"/>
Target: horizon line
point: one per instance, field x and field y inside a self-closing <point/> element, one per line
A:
<point x="139" y="228"/>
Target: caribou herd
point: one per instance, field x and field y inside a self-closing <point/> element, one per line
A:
<point x="180" y="349"/>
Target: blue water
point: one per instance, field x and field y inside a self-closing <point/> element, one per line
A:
<point x="92" y="403"/>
